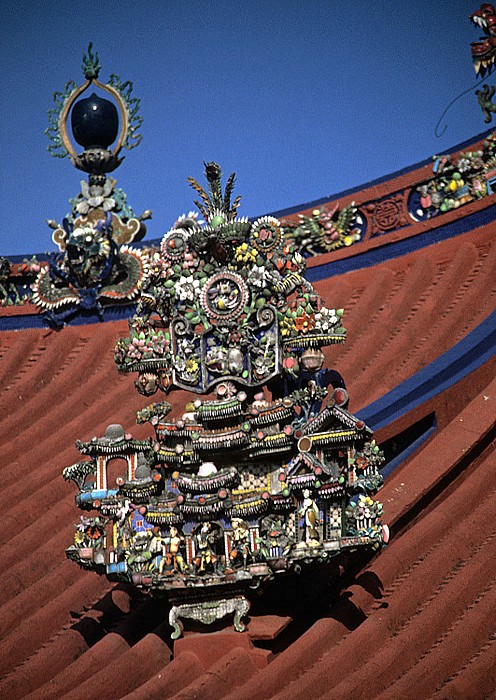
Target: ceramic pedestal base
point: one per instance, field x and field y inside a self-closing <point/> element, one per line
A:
<point x="209" y="611"/>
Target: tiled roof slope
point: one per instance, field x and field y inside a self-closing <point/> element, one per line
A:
<point x="418" y="618"/>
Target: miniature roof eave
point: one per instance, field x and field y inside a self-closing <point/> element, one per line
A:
<point x="331" y="490"/>
<point x="300" y="482"/>
<point x="169" y="517"/>
<point x="327" y="418"/>
<point x="215" y="410"/>
<point x="195" y="483"/>
<point x="116" y="448"/>
<point x="79" y="470"/>
<point x="274" y="412"/>
<point x="279" y="439"/>
<point x="171" y="429"/>
<point x="336" y="438"/>
<point x="302" y="460"/>
<point x="209" y="441"/>
<point x="170" y="454"/>
<point x="249" y="507"/>
<point x="147" y="365"/>
<point x="280" y="501"/>
<point x="213" y="505"/>
<point x="315" y="340"/>
<point x="230" y="431"/>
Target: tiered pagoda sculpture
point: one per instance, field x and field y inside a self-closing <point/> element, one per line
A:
<point x="264" y="471"/>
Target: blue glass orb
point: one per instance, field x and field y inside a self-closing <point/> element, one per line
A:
<point x="94" y="122"/>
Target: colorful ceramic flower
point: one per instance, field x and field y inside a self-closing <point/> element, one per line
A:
<point x="259" y="276"/>
<point x="244" y="254"/>
<point x="192" y="365"/>
<point x="304" y="323"/>
<point x="325" y="319"/>
<point x="188" y="288"/>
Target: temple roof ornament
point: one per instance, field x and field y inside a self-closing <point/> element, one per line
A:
<point x="95" y="267"/>
<point x="484" y="56"/>
<point x="265" y="471"/>
<point x="94" y="120"/>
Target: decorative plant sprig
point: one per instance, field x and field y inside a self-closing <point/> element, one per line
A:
<point x="91" y="64"/>
<point x="214" y="207"/>
<point x="56" y="146"/>
<point x="132" y="138"/>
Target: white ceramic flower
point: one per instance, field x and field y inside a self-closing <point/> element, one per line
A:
<point x="187" y="288"/>
<point x="258" y="276"/>
<point x="326" y="319"/>
<point x="185" y="347"/>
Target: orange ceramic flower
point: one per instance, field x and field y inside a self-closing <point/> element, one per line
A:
<point x="304" y="323"/>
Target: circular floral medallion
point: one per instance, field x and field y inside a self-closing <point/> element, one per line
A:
<point x="266" y="234"/>
<point x="173" y="244"/>
<point x="224" y="296"/>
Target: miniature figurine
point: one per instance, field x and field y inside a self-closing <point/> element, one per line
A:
<point x="309" y="513"/>
<point x="206" y="559"/>
<point x="240" y="551"/>
<point x="175" y="541"/>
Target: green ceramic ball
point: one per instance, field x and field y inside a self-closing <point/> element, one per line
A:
<point x="217" y="221"/>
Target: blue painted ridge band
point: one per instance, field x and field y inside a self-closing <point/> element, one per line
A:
<point x="390" y="251"/>
<point x="448" y="369"/>
<point x="394" y="463"/>
<point x="315" y="274"/>
<point x="19" y="323"/>
<point x="82" y="318"/>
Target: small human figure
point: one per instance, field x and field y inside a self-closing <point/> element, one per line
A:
<point x="273" y="541"/>
<point x="157" y="548"/>
<point x="206" y="559"/>
<point x="309" y="516"/>
<point x="240" y="542"/>
<point x="175" y="543"/>
<point x="311" y="375"/>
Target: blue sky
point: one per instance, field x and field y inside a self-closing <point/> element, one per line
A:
<point x="302" y="99"/>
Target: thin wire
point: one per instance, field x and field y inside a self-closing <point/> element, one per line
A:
<point x="479" y="82"/>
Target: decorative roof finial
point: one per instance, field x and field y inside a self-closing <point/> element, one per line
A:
<point x="97" y="112"/>
<point x="96" y="267"/>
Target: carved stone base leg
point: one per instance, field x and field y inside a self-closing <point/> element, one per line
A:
<point x="241" y="609"/>
<point x="209" y="611"/>
<point x="175" y="622"/>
